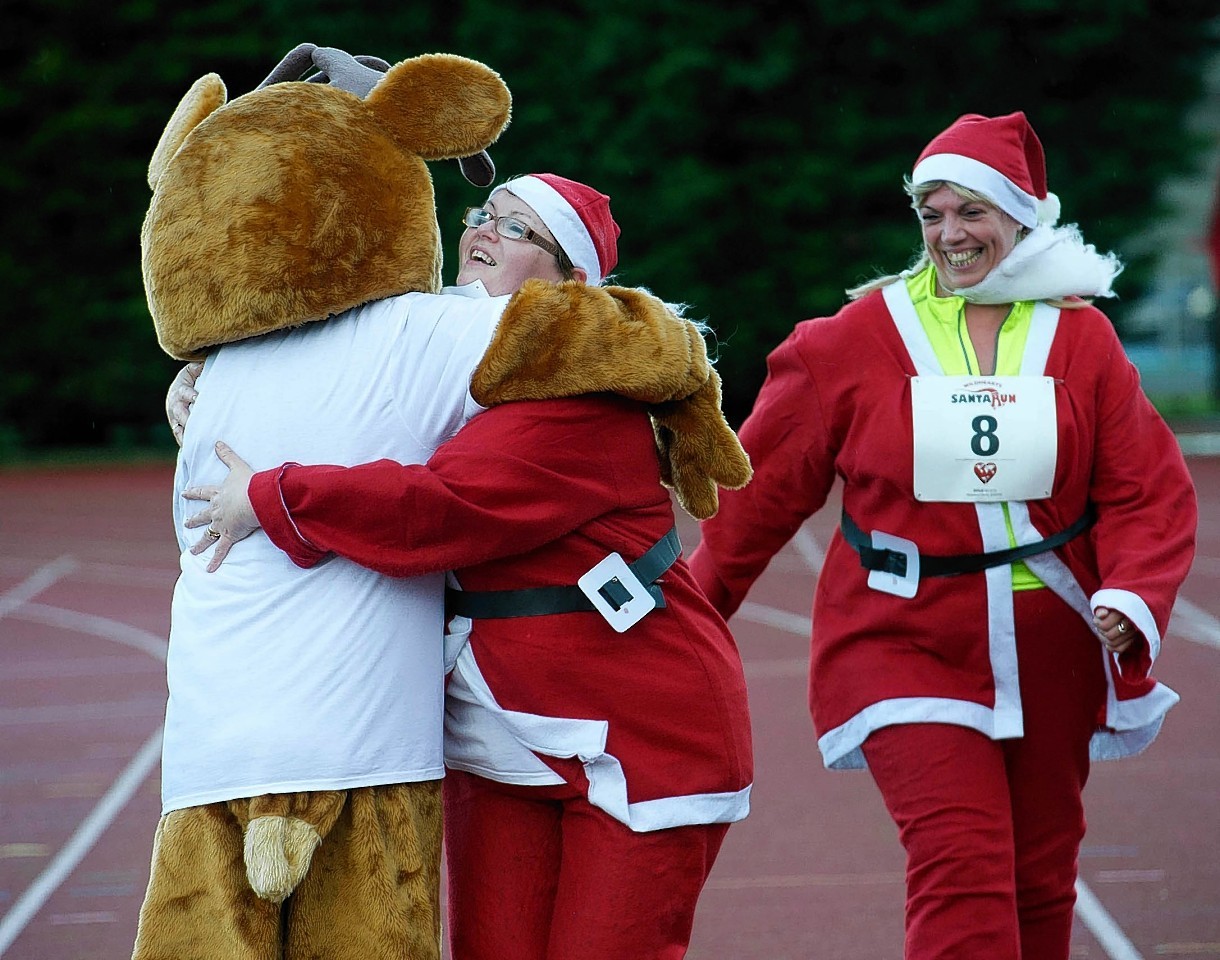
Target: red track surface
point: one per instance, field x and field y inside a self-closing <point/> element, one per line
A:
<point x="87" y="566"/>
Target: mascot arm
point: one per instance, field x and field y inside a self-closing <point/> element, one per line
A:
<point x="698" y="450"/>
<point x="567" y="339"/>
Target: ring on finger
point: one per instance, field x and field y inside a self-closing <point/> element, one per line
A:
<point x="1122" y="626"/>
<point x="214" y="534"/>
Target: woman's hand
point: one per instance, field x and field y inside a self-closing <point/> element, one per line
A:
<point x="1115" y="630"/>
<point x="181" y="395"/>
<point x="229" y="515"/>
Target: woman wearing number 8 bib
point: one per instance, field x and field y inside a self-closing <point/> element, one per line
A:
<point x="1017" y="520"/>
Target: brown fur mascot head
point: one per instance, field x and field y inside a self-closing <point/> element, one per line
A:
<point x="299" y="200"/>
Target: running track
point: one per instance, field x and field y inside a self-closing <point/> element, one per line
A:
<point x="87" y="565"/>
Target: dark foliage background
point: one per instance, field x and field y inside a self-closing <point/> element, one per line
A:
<point x="754" y="152"/>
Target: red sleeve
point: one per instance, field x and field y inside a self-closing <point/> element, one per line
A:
<point x="790" y="451"/>
<point x="1147" y="513"/>
<point x="516" y="477"/>
<point x="272" y="512"/>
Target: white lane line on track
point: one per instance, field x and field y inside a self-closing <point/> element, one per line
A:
<point x="83" y="713"/>
<point x="96" y="571"/>
<point x="104" y="627"/>
<point x="810" y="550"/>
<point x="14" y="603"/>
<point x="81" y="842"/>
<point x="1194" y="623"/>
<point x="812" y="554"/>
<point x="792" y="669"/>
<point x="42" y="578"/>
<point x="772" y="617"/>
<point x="1105" y="931"/>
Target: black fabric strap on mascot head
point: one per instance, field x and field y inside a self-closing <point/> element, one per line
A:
<point x="543" y="601"/>
<point x="358" y="75"/>
<point x="894" y="562"/>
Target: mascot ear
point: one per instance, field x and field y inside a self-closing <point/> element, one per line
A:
<point x="206" y="95"/>
<point x="359" y="75"/>
<point x="441" y="106"/>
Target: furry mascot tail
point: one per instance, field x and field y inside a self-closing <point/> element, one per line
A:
<point x="282" y="831"/>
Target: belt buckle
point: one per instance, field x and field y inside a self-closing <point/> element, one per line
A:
<point x="604" y="583"/>
<point x="904" y="585"/>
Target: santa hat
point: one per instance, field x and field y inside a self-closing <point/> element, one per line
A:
<point x="999" y="157"/>
<point x="577" y="216"/>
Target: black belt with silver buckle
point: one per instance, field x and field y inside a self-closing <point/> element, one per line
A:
<point x="541" y="601"/>
<point x="891" y="561"/>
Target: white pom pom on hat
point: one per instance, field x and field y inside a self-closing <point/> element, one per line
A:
<point x="1048" y="210"/>
<point x="577" y="216"/>
<point x="999" y="157"/>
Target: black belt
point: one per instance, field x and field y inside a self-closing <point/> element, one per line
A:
<point x="539" y="601"/>
<point x="894" y="562"/>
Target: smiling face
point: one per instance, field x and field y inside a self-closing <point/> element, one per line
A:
<point x="965" y="238"/>
<point x="503" y="264"/>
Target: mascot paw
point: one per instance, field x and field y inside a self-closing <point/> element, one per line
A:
<point x="278" y="851"/>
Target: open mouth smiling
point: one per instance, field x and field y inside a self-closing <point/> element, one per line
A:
<point x="961" y="260"/>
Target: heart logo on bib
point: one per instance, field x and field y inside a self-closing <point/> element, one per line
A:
<point x="984" y="471"/>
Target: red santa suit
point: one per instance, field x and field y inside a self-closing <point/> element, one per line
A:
<point x="650" y="725"/>
<point x="902" y="680"/>
<point x="837" y="404"/>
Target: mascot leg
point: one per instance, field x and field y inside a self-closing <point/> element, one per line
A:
<point x="199" y="905"/>
<point x="373" y="891"/>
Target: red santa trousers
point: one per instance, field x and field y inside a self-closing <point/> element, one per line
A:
<point x="539" y="873"/>
<point x="992" y="828"/>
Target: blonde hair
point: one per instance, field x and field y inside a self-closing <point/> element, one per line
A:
<point x="919" y="192"/>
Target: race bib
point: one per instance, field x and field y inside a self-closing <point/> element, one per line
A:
<point x="984" y="438"/>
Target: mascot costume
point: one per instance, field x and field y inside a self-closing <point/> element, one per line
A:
<point x="292" y="244"/>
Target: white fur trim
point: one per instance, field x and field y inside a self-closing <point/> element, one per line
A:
<point x="898" y="299"/>
<point x="1042" y="327"/>
<point x="561" y="219"/>
<point x="1134" y="724"/>
<point x="1048" y="264"/>
<point x="840" y="747"/>
<point x="1007" y="720"/>
<point x="586" y="740"/>
<point x="976" y="175"/>
<point x="1117" y="744"/>
<point x="608" y="792"/>
<point x="1133" y="607"/>
<point x="1131" y="725"/>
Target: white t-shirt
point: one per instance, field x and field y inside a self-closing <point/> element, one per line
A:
<point x="283" y="679"/>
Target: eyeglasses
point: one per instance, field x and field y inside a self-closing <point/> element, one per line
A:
<point x="510" y="228"/>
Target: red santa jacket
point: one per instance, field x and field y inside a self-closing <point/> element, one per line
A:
<point x="534" y="494"/>
<point x="837" y="404"/>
